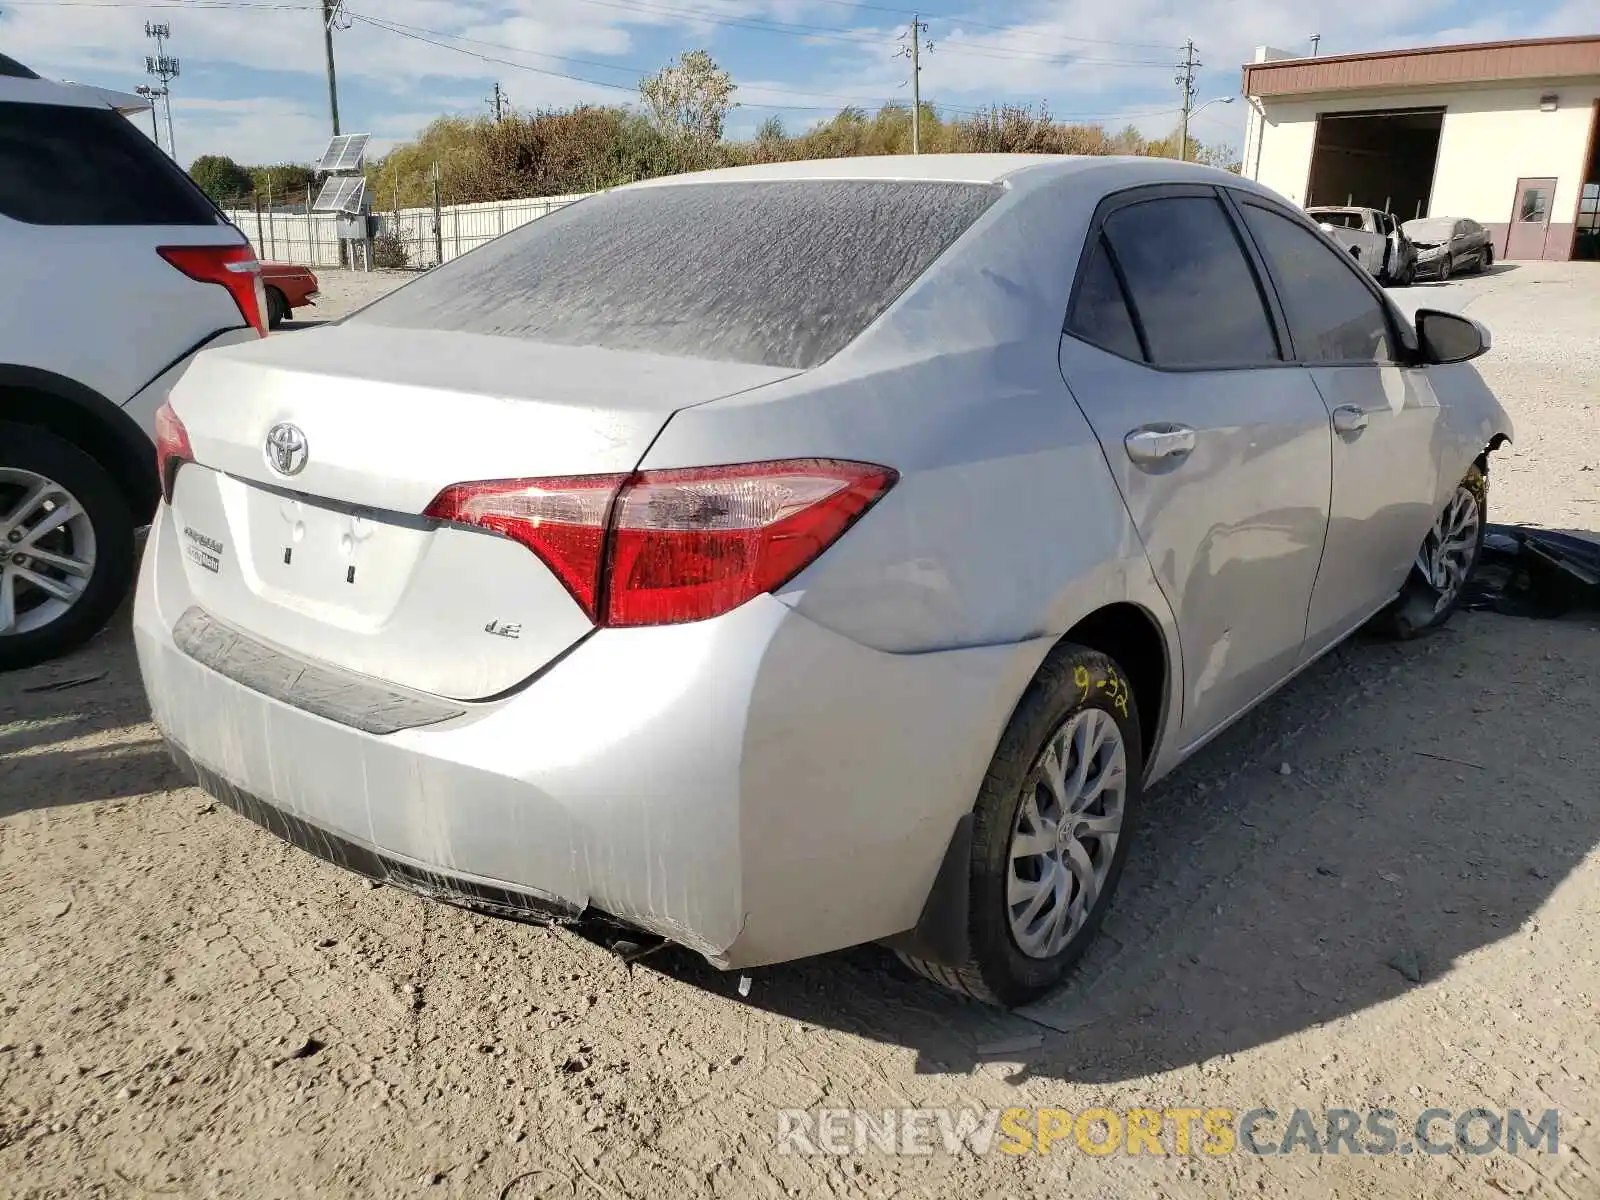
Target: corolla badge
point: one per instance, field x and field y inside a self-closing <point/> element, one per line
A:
<point x="286" y="449"/>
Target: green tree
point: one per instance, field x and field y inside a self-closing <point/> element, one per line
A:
<point x="220" y="177"/>
<point x="286" y="183"/>
<point x="690" y="99"/>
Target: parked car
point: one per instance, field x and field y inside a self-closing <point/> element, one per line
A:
<point x="1374" y="238"/>
<point x="748" y="558"/>
<point x="117" y="271"/>
<point x="288" y="286"/>
<point x="1446" y="245"/>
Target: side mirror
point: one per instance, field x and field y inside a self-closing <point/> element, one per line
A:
<point x="1445" y="337"/>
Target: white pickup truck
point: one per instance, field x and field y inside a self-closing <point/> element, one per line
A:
<point x="1374" y="237"/>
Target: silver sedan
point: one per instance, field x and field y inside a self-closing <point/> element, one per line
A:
<point x="789" y="557"/>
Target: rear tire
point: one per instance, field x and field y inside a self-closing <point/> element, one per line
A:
<point x="1048" y="845"/>
<point x="86" y="562"/>
<point x="1445" y="562"/>
<point x="277" y="308"/>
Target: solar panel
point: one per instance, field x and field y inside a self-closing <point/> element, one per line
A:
<point x="341" y="193"/>
<point x="344" y="152"/>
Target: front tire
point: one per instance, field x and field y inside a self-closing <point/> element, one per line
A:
<point x="1444" y="563"/>
<point x="1051" y="830"/>
<point x="66" y="536"/>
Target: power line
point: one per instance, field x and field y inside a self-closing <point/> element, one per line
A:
<point x="194" y="6"/>
<point x="430" y="36"/>
<point x="960" y="21"/>
<point x="985" y="50"/>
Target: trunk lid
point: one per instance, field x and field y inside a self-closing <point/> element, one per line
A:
<point x="334" y="562"/>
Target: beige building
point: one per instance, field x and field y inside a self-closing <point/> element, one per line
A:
<point x="1501" y="132"/>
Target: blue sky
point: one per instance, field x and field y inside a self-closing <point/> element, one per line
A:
<point x="253" y="84"/>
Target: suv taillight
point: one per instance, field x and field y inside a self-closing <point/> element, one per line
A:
<point x="665" y="547"/>
<point x="234" y="267"/>
<point x="172" y="448"/>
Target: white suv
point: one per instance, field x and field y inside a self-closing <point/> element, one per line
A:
<point x="117" y="271"/>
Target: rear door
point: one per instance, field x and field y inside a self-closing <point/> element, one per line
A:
<point x="85" y="201"/>
<point x="1220" y="449"/>
<point x="1385" y="415"/>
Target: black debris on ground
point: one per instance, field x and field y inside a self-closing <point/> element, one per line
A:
<point x="1530" y="572"/>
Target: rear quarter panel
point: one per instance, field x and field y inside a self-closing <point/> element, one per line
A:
<point x="100" y="306"/>
<point x="1005" y="527"/>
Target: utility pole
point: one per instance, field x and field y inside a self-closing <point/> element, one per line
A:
<point x="499" y="102"/>
<point x="330" y="12"/>
<point x="1185" y="80"/>
<point x="438" y="222"/>
<point x="912" y="50"/>
<point x="165" y="68"/>
<point x="1316" y="40"/>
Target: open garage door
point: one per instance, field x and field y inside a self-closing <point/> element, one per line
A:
<point x="1380" y="160"/>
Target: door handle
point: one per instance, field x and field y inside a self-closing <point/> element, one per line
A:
<point x="1347" y="418"/>
<point x="1159" y="443"/>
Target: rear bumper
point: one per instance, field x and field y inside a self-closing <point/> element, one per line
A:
<point x="754" y="787"/>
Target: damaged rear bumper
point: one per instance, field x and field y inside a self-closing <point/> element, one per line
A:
<point x="754" y="787"/>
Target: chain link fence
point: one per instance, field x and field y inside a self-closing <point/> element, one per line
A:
<point x="407" y="237"/>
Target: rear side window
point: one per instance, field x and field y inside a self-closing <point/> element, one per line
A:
<point x="1100" y="311"/>
<point x="783" y="273"/>
<point x="1332" y="316"/>
<point x="89" y="166"/>
<point x="1191" y="289"/>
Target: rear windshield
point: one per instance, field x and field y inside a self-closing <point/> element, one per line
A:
<point x="778" y="273"/>
<point x="1339" y="220"/>
<point x="64" y="165"/>
<point x="1430" y="229"/>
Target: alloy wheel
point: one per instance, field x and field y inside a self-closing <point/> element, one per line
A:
<point x="1450" y="550"/>
<point x="1065" y="834"/>
<point x="47" y="551"/>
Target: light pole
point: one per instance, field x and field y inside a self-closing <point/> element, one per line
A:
<point x="165" y="68"/>
<point x="1183" y="150"/>
<point x="1209" y="103"/>
<point x="150" y="94"/>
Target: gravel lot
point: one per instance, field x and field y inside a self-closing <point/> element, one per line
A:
<point x="190" y="1008"/>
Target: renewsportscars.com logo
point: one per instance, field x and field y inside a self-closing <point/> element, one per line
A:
<point x="1162" y="1131"/>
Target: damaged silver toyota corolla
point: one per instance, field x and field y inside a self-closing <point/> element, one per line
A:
<point x="795" y="556"/>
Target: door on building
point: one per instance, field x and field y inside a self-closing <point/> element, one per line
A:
<point x="1530" y="218"/>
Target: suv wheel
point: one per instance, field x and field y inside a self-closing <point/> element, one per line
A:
<point x="1051" y="831"/>
<point x="66" y="546"/>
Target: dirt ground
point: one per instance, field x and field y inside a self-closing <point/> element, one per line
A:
<point x="191" y="1008"/>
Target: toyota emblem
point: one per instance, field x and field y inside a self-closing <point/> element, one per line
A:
<point x="286" y="449"/>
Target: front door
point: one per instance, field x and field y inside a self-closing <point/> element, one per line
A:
<point x="1220" y="449"/>
<point x="1530" y="218"/>
<point x="1384" y="418"/>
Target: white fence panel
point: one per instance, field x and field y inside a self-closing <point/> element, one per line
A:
<point x="314" y="242"/>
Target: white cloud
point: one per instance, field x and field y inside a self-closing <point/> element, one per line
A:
<point x="1072" y="53"/>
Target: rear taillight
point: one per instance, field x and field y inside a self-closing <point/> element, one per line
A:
<point x="172" y="448"/>
<point x="665" y="547"/>
<point x="563" y="521"/>
<point x="234" y="267"/>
